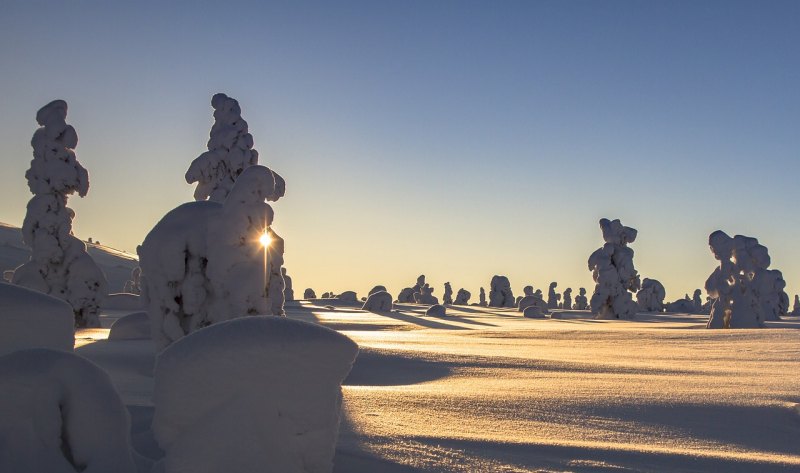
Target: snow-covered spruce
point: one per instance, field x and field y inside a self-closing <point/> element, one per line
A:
<point x="59" y="264"/>
<point x="462" y="297"/>
<point x="425" y="296"/>
<point x="380" y="301"/>
<point x="500" y="294"/>
<point x="532" y="299"/>
<point x="552" y="296"/>
<point x="134" y="284"/>
<point x="288" y="290"/>
<point x="482" y="298"/>
<point x="447" y="297"/>
<point x="567" y="304"/>
<point x="203" y="262"/>
<point x="309" y="294"/>
<point x="61" y="414"/>
<point x="581" y="302"/>
<point x="407" y="294"/>
<point x="650" y="297"/>
<point x="30" y="319"/>
<point x="613" y="272"/>
<point x="746" y="293"/>
<point x="230" y="152"/>
<point x="255" y="394"/>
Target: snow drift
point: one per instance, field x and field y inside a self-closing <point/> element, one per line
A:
<point x="61" y="414"/>
<point x="30" y="319"/>
<point x="273" y="387"/>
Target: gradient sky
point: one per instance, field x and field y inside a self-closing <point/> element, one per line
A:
<point x="455" y="139"/>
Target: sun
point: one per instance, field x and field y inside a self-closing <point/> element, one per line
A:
<point x="265" y="239"/>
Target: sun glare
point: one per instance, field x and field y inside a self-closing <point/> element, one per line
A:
<point x="265" y="239"/>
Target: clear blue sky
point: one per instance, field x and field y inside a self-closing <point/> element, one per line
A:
<point x="455" y="139"/>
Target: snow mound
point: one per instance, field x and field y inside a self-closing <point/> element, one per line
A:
<point x="134" y="326"/>
<point x="532" y="301"/>
<point x="380" y="301"/>
<point x="348" y="296"/>
<point x="123" y="301"/>
<point x="61" y="414"/>
<point x="30" y="319"/>
<point x="309" y="294"/>
<point x="533" y="312"/>
<point x="436" y="310"/>
<point x="251" y="394"/>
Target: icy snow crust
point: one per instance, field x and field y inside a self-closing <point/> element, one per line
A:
<point x="30" y="319"/>
<point x="59" y="264"/>
<point x="255" y="394"/>
<point x="60" y="414"/>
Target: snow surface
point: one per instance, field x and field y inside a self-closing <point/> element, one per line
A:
<point x="254" y="394"/>
<point x="488" y="390"/>
<point x="60" y="414"/>
<point x="30" y="319"/>
<point x="135" y="326"/>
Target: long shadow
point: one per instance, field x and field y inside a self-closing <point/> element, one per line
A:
<point x="421" y="321"/>
<point x="377" y="368"/>
<point x="462" y="320"/>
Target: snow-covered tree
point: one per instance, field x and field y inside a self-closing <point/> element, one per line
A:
<point x="59" y="264"/>
<point x="204" y="262"/>
<point x="613" y="272"/>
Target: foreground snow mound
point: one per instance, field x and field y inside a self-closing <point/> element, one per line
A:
<point x="60" y="414"/>
<point x="134" y="326"/>
<point x="30" y="319"/>
<point x="254" y="394"/>
<point x="436" y="310"/>
<point x="380" y="301"/>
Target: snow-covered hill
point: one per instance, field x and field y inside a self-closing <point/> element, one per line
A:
<point x="116" y="265"/>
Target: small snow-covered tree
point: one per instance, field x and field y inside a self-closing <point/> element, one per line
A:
<point x="59" y="264"/>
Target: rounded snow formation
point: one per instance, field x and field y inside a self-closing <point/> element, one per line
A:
<point x="30" y="319"/>
<point x="651" y="296"/>
<point x="348" y="296"/>
<point x="134" y="326"/>
<point x="613" y="272"/>
<point x="407" y="295"/>
<point x="309" y="294"/>
<point x="462" y="297"/>
<point x="61" y="414"/>
<point x="425" y="295"/>
<point x="533" y="312"/>
<point x="377" y="289"/>
<point x="437" y="310"/>
<point x="203" y="262"/>
<point x="746" y="293"/>
<point x="288" y="291"/>
<point x="263" y="391"/>
<point x="681" y="306"/>
<point x="123" y="301"/>
<point x="581" y="302"/>
<point x="532" y="301"/>
<point x="500" y="294"/>
<point x="380" y="301"/>
<point x="59" y="264"/>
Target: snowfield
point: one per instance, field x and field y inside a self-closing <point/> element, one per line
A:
<point x="487" y="390"/>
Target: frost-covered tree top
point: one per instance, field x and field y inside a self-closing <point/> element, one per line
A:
<point x="230" y="151"/>
<point x="54" y="169"/>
